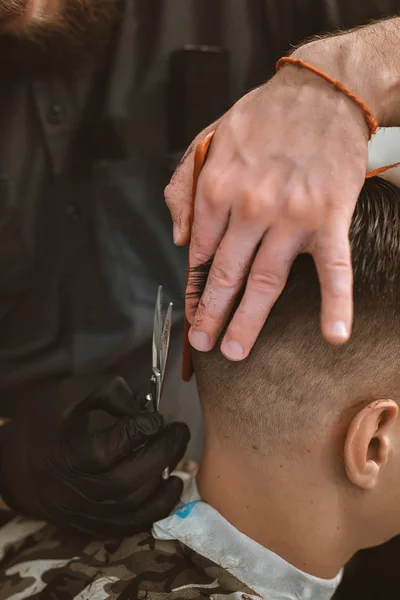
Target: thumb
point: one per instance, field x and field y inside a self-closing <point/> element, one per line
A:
<point x="113" y="396"/>
<point x="179" y="192"/>
<point x="83" y="393"/>
<point x="101" y="451"/>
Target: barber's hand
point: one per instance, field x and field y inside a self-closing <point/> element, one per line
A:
<point x="283" y="175"/>
<point x="106" y="484"/>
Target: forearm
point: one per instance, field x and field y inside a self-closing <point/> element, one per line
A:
<point x="365" y="60"/>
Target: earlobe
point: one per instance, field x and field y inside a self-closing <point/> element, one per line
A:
<point x="368" y="442"/>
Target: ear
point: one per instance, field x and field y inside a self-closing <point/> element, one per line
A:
<point x="368" y="442"/>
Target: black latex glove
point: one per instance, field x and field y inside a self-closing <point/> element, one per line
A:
<point x="107" y="483"/>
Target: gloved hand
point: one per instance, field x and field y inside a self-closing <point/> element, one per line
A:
<point x="107" y="483"/>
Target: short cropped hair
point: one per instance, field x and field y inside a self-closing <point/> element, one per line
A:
<point x="294" y="384"/>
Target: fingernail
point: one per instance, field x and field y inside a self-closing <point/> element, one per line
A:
<point x="199" y="340"/>
<point x="339" y="330"/>
<point x="176" y="233"/>
<point x="232" y="350"/>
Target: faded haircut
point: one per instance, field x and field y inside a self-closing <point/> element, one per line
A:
<point x="294" y="385"/>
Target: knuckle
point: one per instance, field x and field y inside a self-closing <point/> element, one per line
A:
<point x="266" y="281"/>
<point x="339" y="263"/>
<point x="222" y="277"/>
<point x="334" y="250"/>
<point x="256" y="203"/>
<point x="208" y="311"/>
<point x="199" y="254"/>
<point x="337" y="279"/>
<point x="339" y="269"/>
<point x="200" y="315"/>
<point x="213" y="190"/>
<point x="170" y="196"/>
<point x="301" y="206"/>
<point x="168" y="193"/>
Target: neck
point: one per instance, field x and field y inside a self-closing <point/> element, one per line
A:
<point x="279" y="504"/>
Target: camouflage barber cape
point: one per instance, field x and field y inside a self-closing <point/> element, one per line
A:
<point x="194" y="553"/>
<point x="40" y="562"/>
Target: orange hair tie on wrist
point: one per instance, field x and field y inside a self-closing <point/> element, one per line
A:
<point x="371" y="121"/>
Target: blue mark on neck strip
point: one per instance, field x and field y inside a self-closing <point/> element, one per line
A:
<point x="185" y="510"/>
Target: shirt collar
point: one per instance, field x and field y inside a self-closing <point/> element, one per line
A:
<point x="202" y="529"/>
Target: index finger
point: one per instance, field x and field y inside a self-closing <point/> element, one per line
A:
<point x="179" y="192"/>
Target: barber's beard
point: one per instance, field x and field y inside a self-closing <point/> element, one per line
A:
<point x="62" y="38"/>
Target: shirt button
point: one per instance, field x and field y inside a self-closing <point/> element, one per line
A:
<point x="56" y="114"/>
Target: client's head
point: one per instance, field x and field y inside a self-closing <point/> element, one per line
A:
<point x="322" y="419"/>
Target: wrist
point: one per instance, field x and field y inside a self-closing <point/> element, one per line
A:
<point x="314" y="87"/>
<point x="353" y="59"/>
